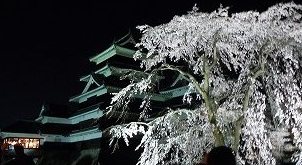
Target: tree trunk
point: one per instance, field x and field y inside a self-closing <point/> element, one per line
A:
<point x="219" y="139"/>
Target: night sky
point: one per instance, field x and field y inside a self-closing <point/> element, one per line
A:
<point x="45" y="44"/>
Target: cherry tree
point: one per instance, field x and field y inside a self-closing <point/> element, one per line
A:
<point x="243" y="69"/>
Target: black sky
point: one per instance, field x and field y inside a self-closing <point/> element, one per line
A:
<point x="45" y="44"/>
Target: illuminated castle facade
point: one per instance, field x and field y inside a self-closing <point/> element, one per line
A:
<point x="79" y="127"/>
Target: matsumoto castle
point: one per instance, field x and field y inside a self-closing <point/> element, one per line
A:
<point x="73" y="134"/>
